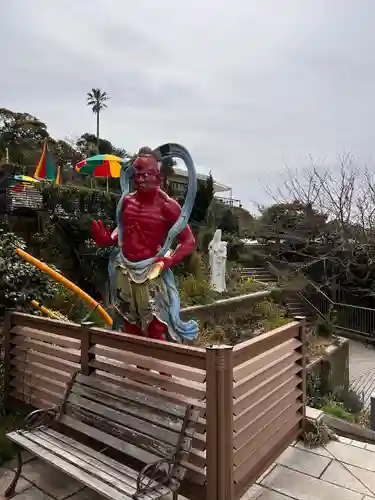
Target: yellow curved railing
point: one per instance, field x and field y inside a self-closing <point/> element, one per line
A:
<point x="67" y="283"/>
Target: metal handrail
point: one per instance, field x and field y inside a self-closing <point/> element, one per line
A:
<point x="303" y="297"/>
<point x="338" y="303"/>
<point x="349" y="317"/>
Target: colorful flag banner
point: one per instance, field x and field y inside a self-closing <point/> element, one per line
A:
<point x="45" y="169"/>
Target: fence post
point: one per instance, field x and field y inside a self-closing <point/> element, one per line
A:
<point x="7" y="358"/>
<point x="224" y="365"/>
<point x="372" y="410"/>
<point x="211" y="423"/>
<point x="302" y="362"/>
<point x="86" y="344"/>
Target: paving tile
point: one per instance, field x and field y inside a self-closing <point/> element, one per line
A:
<point x="50" y="480"/>
<point x="358" y="444"/>
<point x="26" y="457"/>
<point x="370" y="447"/>
<point x="33" y="493"/>
<point x="368" y="498"/>
<point x="362" y="370"/>
<point x="6" y="476"/>
<point x="302" y="487"/>
<point x="344" y="440"/>
<point x="87" y="494"/>
<point x="257" y="492"/>
<point x="299" y="460"/>
<point x="318" y="450"/>
<point x="353" y="478"/>
<point x="352" y="455"/>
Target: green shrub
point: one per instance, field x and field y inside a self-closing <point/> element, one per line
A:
<point x="272" y="315"/>
<point x="314" y="391"/>
<point x="20" y="282"/>
<point x="351" y="401"/>
<point x="337" y="410"/>
<point x="195" y="291"/>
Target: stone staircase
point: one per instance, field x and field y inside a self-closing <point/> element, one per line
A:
<point x="259" y="274"/>
<point x="294" y="304"/>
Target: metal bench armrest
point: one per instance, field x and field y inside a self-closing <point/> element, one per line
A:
<point x="41" y="417"/>
<point x="162" y="472"/>
<point x="48" y="415"/>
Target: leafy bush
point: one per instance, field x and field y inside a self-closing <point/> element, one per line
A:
<point x="20" y="282"/>
<point x="352" y="402"/>
<point x="315" y="396"/>
<point x="337" y="410"/>
<point x="271" y="314"/>
<point x="194" y="291"/>
<point x="243" y="287"/>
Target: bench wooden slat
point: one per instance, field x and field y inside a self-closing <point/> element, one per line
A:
<point x="151" y="415"/>
<point x="156" y="416"/>
<point x="110" y="440"/>
<point x="86" y="450"/>
<point x="137" y="428"/>
<point x="153" y="402"/>
<point x="174" y="398"/>
<point x="85" y="473"/>
<point x="127" y="480"/>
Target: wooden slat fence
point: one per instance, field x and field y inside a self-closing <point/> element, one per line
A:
<point x="251" y="396"/>
<point x="268" y="400"/>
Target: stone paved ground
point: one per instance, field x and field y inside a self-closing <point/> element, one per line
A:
<point x="342" y="470"/>
<point x="362" y="369"/>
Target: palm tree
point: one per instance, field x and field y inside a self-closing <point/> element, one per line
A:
<point x="96" y="99"/>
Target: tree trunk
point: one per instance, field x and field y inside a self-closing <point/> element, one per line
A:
<point x="97" y="131"/>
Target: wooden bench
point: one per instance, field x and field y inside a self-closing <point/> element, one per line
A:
<point x="131" y="445"/>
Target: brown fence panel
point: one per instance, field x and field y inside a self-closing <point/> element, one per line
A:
<point x="251" y="397"/>
<point x="39" y="363"/>
<point x="268" y="400"/>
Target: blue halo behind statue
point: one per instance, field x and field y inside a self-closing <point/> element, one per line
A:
<point x="185" y="330"/>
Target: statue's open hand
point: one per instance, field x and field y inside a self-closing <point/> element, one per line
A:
<point x="100" y="234"/>
<point x="168" y="262"/>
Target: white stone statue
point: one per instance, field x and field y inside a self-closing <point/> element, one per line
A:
<point x="217" y="250"/>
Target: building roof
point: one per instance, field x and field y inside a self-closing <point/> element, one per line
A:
<point x="218" y="187"/>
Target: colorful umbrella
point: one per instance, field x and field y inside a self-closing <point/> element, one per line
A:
<point x="101" y="166"/>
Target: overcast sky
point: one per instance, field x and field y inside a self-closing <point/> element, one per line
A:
<point x="246" y="85"/>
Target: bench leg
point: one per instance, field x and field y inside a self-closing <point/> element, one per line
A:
<point x="12" y="487"/>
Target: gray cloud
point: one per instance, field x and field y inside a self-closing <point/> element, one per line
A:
<point x="246" y="86"/>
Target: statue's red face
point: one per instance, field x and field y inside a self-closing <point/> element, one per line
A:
<point x="146" y="174"/>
